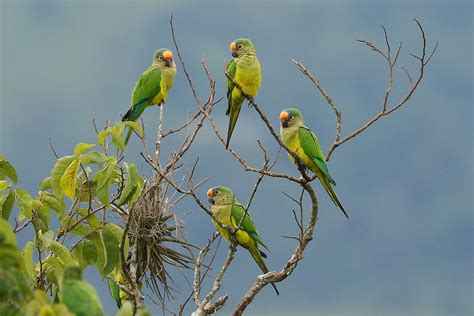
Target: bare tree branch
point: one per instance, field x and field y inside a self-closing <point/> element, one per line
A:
<point x="386" y="110"/>
<point x="182" y="62"/>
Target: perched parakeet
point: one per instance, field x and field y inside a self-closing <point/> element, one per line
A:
<point x="79" y="296"/>
<point x="118" y="294"/>
<point x="300" y="139"/>
<point x="153" y="86"/>
<point x="114" y="290"/>
<point x="230" y="212"/>
<point x="245" y="71"/>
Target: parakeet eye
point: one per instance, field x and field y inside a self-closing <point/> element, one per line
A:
<point x="216" y="192"/>
<point x="290" y="116"/>
<point x="160" y="57"/>
<point x="240" y="46"/>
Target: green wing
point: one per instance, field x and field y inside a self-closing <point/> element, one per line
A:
<point x="115" y="292"/>
<point x="309" y="143"/>
<point x="248" y="226"/>
<point x="147" y="87"/>
<point x="231" y="70"/>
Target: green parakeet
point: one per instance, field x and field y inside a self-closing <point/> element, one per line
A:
<point x="153" y="86"/>
<point x="230" y="212"/>
<point x="245" y="70"/>
<point x="304" y="143"/>
<point x="114" y="290"/>
<point x="79" y="296"/>
<point x="118" y="295"/>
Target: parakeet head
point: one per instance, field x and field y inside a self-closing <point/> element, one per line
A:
<point x="72" y="272"/>
<point x="291" y="117"/>
<point x="163" y="57"/>
<point x="241" y="46"/>
<point x="220" y="195"/>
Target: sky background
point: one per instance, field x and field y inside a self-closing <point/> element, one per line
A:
<point x="406" y="182"/>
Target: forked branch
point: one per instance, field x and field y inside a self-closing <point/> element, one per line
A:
<point x="385" y="108"/>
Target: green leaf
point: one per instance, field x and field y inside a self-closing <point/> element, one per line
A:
<point x="7" y="170"/>
<point x="68" y="179"/>
<point x="39" y="224"/>
<point x="54" y="270"/>
<point x="46" y="184"/>
<point x="89" y="252"/>
<point x="96" y="239"/>
<point x="126" y="309"/>
<point x="102" y="135"/>
<point x="82" y="147"/>
<point x="78" y="230"/>
<point x="139" y="190"/>
<point x="76" y="254"/>
<point x="57" y="204"/>
<point x="61" y="252"/>
<point x="135" y="126"/>
<point x="45" y="215"/>
<point x="104" y="179"/>
<point x="131" y="184"/>
<point x="58" y="171"/>
<point x="40" y="216"/>
<point x="28" y="256"/>
<point x="117" y="139"/>
<point x="25" y="202"/>
<point x="112" y="247"/>
<point x="92" y="220"/>
<point x="14" y="286"/>
<point x="7" y="237"/>
<point x="118" y="232"/>
<point x="87" y="191"/>
<point x="48" y="238"/>
<point x="3" y="185"/>
<point x="7" y="204"/>
<point x="94" y="157"/>
<point x="36" y="204"/>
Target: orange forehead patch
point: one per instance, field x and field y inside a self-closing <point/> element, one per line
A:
<point x="232" y="46"/>
<point x="209" y="192"/>
<point x="283" y="115"/>
<point x="168" y="55"/>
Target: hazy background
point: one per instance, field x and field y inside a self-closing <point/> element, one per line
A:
<point x="406" y="183"/>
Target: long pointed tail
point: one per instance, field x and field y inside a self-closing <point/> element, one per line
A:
<point x="234" y="115"/>
<point x="332" y="194"/>
<point x="133" y="114"/>
<point x="127" y="115"/>
<point x="136" y="110"/>
<point x="259" y="260"/>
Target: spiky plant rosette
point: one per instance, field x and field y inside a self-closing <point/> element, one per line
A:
<point x="155" y="233"/>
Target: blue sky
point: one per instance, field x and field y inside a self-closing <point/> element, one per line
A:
<point x="406" y="182"/>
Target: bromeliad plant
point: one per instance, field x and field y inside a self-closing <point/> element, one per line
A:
<point x="85" y="192"/>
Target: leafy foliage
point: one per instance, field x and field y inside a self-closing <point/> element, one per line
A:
<point x="79" y="188"/>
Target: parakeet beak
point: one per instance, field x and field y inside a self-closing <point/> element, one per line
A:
<point x="210" y="196"/>
<point x="233" y="49"/>
<point x="284" y="119"/>
<point x="168" y="57"/>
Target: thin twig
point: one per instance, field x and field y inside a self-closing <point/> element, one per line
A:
<point x="386" y="110"/>
<point x="182" y="62"/>
<point x="52" y="148"/>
